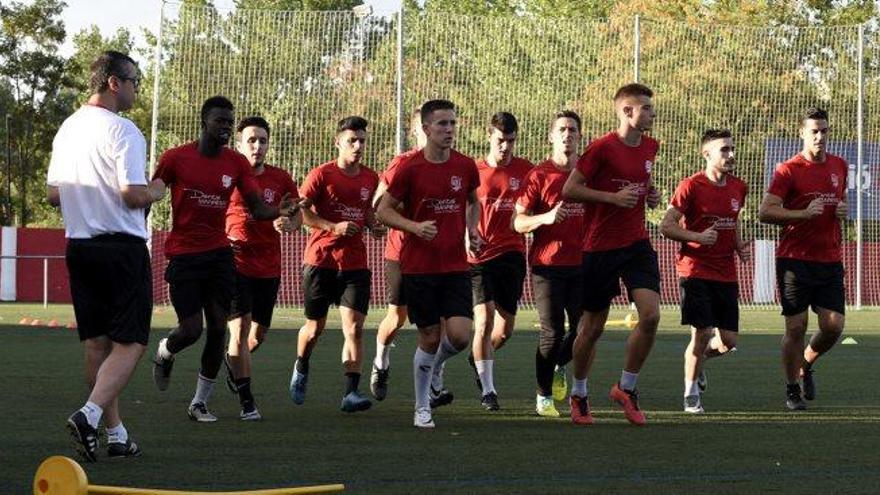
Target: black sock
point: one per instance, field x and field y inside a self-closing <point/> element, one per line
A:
<point x="793" y="389"/>
<point x="244" y="390"/>
<point x="807" y="365"/>
<point x="302" y="365"/>
<point x="352" y="380"/>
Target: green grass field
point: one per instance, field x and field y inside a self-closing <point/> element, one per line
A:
<point x="746" y="443"/>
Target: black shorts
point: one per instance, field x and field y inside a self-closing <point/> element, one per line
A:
<point x="558" y="290"/>
<point x="111" y="283"/>
<point x="255" y="296"/>
<point x="201" y="280"/>
<point x="394" y="283"/>
<point x="438" y="295"/>
<point x="500" y="280"/>
<point x="804" y="284"/>
<point x="709" y="303"/>
<point x="325" y="286"/>
<point x="636" y="264"/>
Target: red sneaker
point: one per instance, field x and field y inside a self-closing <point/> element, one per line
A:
<point x="580" y="410"/>
<point x="629" y="401"/>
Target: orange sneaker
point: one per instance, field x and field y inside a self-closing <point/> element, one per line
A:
<point x="580" y="410"/>
<point x="629" y="401"/>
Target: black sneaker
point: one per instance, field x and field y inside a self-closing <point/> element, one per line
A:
<point x="793" y="400"/>
<point x="473" y="364"/>
<point x="162" y="370"/>
<point x="490" y="402"/>
<point x="440" y="397"/>
<point x="85" y="438"/>
<point x="379" y="383"/>
<point x="230" y="376"/>
<point x="119" y="449"/>
<point x="809" y="384"/>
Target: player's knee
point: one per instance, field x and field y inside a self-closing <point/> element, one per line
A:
<point x="649" y="320"/>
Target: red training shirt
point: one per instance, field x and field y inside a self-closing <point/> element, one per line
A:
<point x="705" y="204"/>
<point x="200" y="190"/>
<point x="499" y="188"/>
<point x="798" y="181"/>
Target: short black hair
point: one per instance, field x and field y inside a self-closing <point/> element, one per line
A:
<point x="633" y="89"/>
<point x="814" y="113"/>
<point x="352" y="123"/>
<point x="109" y="63"/>
<point x="713" y="134"/>
<point x="253" y="121"/>
<point x="566" y="114"/>
<point x="504" y="122"/>
<point x="431" y="106"/>
<point x="216" y="102"/>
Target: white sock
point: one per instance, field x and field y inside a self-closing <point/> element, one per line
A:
<point x="164" y="353"/>
<point x="484" y="370"/>
<point x="691" y="387"/>
<point x="445" y="351"/>
<point x="93" y="413"/>
<point x="541" y="398"/>
<point x="117" y="434"/>
<point x="628" y="380"/>
<point x="437" y="376"/>
<point x="580" y="388"/>
<point x="422" y="364"/>
<point x="383" y="352"/>
<point x="204" y="387"/>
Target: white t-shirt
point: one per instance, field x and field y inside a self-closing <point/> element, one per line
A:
<point x="95" y="152"/>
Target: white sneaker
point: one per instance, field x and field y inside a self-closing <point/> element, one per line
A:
<point x="422" y="418"/>
<point x="199" y="412"/>
<point x="693" y="404"/>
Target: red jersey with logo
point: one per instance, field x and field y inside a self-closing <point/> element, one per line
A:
<point x="200" y="190"/>
<point x="257" y="243"/>
<point x="394" y="239"/>
<point x="705" y="204"/>
<point x="338" y="197"/>
<point x="558" y="244"/>
<point x="499" y="188"/>
<point x="610" y="165"/>
<point x="798" y="182"/>
<point x="439" y="192"/>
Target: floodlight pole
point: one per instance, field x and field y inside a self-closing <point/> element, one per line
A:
<point x="860" y="131"/>
<point x="637" y="45"/>
<point x="400" y="137"/>
<point x="154" y="123"/>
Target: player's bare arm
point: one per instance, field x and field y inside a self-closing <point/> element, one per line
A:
<point x="389" y="214"/>
<point x="525" y="221"/>
<point x="136" y="196"/>
<point x="575" y="190"/>
<point x="671" y="228"/>
<point x="772" y="211"/>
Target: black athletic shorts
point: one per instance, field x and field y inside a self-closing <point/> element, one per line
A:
<point x="255" y="295"/>
<point x="709" y="303"/>
<point x="636" y="264"/>
<point x="111" y="283"/>
<point x="200" y="280"/>
<point x="500" y="280"/>
<point x="804" y="284"/>
<point x="438" y="295"/>
<point x="325" y="286"/>
<point x="558" y="290"/>
<point x="394" y="283"/>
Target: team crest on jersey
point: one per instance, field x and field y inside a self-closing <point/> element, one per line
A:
<point x="648" y="166"/>
<point x="455" y="182"/>
<point x="835" y="181"/>
<point x="734" y="204"/>
<point x="514" y="183"/>
<point x="268" y="196"/>
<point x="226" y="181"/>
<point x="365" y="194"/>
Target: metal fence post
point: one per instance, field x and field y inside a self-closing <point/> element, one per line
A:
<point x="637" y="45"/>
<point x="45" y="282"/>
<point x="860" y="130"/>
<point x="400" y="137"/>
<point x="154" y="123"/>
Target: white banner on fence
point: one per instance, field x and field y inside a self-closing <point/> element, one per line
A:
<point x="9" y="243"/>
<point x="764" y="280"/>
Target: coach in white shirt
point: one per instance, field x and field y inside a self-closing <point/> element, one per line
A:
<point x="97" y="175"/>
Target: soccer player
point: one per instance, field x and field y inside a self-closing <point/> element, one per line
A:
<point x="555" y="255"/>
<point x="202" y="176"/>
<point x="257" y="249"/>
<point x="614" y="178"/>
<point x="807" y="198"/>
<point x="499" y="268"/>
<point x="338" y="209"/>
<point x="703" y="216"/>
<point x="437" y="187"/>
<point x="97" y="176"/>
<point x="395" y="316"/>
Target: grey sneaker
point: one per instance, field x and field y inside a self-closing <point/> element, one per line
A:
<point x="119" y="449"/>
<point x="693" y="404"/>
<point x="423" y="419"/>
<point x="249" y="412"/>
<point x="199" y="412"/>
<point x="490" y="402"/>
<point x="793" y="400"/>
<point x="379" y="383"/>
<point x="354" y="402"/>
<point x="85" y="437"/>
<point x="297" y="388"/>
<point x="162" y="369"/>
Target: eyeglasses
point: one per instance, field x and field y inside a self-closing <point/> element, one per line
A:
<point x="136" y="81"/>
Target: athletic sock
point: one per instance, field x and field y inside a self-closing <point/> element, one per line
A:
<point x="628" y="380"/>
<point x="484" y="370"/>
<point x="93" y="413"/>
<point x="204" y="387"/>
<point x="117" y="434"/>
<point x="352" y="380"/>
<point x="444" y="351"/>
<point x="691" y="388"/>
<point x="243" y="385"/>
<point x="580" y="388"/>
<point x="382" y="360"/>
<point x="422" y="364"/>
<point x="437" y="376"/>
<point x="302" y="365"/>
<point x="163" y="351"/>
